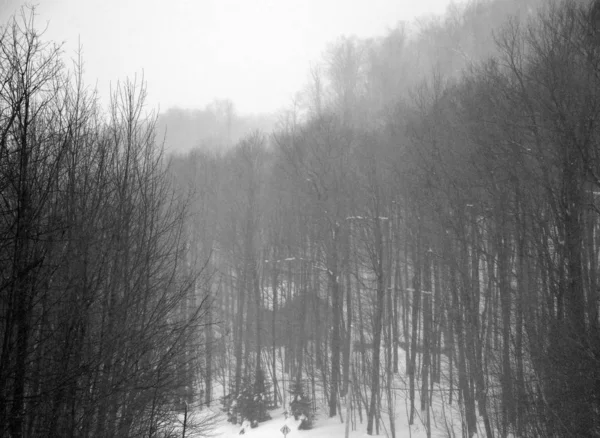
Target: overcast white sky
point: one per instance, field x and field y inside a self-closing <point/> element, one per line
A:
<point x="255" y="52"/>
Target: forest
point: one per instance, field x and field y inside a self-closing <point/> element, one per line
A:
<point x="419" y="233"/>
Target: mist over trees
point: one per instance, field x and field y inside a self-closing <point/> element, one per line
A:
<point x="215" y="128"/>
<point x="419" y="233"/>
<point x="446" y="210"/>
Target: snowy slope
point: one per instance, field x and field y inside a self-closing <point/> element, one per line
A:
<point x="445" y="419"/>
<point x="324" y="428"/>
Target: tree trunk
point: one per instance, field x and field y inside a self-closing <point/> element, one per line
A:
<point x="416" y="309"/>
<point x="377" y="323"/>
<point x="426" y="365"/>
<point x="335" y="340"/>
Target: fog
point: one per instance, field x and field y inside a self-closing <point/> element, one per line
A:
<point x="315" y="218"/>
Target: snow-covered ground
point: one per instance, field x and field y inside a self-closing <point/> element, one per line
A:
<point x="445" y="419"/>
<point x="323" y="428"/>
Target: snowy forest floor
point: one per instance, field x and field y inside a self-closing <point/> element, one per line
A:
<point x="324" y="428"/>
<point x="445" y="419"/>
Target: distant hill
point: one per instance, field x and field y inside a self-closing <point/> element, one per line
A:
<point x="216" y="127"/>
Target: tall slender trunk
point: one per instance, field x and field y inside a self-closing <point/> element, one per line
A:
<point x="335" y="340"/>
<point x="347" y="340"/>
<point x="416" y="309"/>
<point x="21" y="277"/>
<point x="377" y="323"/>
<point x="304" y="287"/>
<point x="274" y="287"/>
<point x="397" y="305"/>
<point x="508" y="401"/>
<point x="426" y="365"/>
<point x="239" y="331"/>
<point x="258" y="303"/>
<point x="463" y="377"/>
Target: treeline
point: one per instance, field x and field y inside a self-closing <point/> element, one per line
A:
<point x="215" y="128"/>
<point x="454" y="218"/>
<point x="100" y="303"/>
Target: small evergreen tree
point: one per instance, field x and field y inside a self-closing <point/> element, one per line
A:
<point x="251" y="403"/>
<point x="300" y="405"/>
<point x="229" y="403"/>
<point x="260" y="397"/>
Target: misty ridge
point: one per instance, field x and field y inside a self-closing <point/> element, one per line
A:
<point x="216" y="128"/>
<point x="410" y="248"/>
<point x="444" y="45"/>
